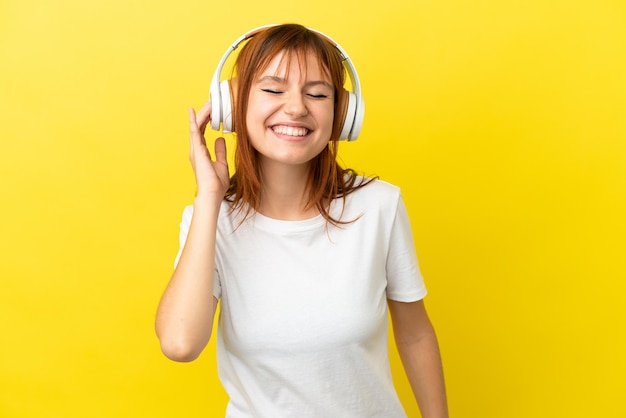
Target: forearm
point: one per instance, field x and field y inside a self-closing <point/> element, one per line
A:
<point x="184" y="319"/>
<point x="419" y="351"/>
<point x="422" y="364"/>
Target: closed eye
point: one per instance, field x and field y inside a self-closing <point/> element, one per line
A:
<point x="318" y="96"/>
<point x="270" y="91"/>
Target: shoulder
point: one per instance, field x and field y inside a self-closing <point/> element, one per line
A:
<point x="376" y="191"/>
<point x="377" y="186"/>
<point x="187" y="213"/>
<point x="377" y="199"/>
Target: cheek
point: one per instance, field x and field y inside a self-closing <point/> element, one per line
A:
<point x="255" y="116"/>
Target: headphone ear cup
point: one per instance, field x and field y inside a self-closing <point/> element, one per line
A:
<point x="349" y="110"/>
<point x="359" y="115"/>
<point x="226" y="106"/>
<point x="216" y="106"/>
<point x="340" y="113"/>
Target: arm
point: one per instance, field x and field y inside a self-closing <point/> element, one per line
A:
<point x="184" y="320"/>
<point x="419" y="351"/>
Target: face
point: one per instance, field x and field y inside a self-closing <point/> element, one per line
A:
<point x="290" y="112"/>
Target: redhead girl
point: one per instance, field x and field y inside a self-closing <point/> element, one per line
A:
<point x="305" y="258"/>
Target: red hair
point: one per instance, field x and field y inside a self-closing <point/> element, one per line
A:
<point x="327" y="179"/>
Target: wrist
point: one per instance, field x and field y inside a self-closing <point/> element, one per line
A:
<point x="208" y="200"/>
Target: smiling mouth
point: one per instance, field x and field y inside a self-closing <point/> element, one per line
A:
<point x="290" y="130"/>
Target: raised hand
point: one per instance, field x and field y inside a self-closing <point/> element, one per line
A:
<point x="184" y="319"/>
<point x="212" y="177"/>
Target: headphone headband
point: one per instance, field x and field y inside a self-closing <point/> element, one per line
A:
<point x="221" y="101"/>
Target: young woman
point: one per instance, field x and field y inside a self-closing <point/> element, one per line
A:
<point x="305" y="257"/>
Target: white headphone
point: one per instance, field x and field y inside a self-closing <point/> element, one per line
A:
<point x="221" y="100"/>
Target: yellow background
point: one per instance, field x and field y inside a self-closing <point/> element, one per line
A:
<point x="504" y="123"/>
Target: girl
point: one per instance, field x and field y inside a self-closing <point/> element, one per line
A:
<point x="305" y="257"/>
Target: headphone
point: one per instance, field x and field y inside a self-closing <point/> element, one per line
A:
<point x="221" y="99"/>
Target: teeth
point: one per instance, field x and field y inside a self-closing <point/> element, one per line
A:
<point x="290" y="130"/>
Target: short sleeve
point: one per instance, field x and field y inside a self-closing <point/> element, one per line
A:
<point x="185" y="223"/>
<point x="404" y="278"/>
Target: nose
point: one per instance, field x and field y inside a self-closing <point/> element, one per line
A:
<point x="295" y="105"/>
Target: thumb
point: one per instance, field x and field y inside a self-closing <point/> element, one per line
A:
<point x="220" y="151"/>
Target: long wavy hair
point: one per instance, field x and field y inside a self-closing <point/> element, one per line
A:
<point x="327" y="180"/>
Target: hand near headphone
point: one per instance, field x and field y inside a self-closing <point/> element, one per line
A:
<point x="212" y="177"/>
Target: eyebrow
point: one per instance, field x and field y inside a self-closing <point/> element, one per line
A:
<point x="273" y="78"/>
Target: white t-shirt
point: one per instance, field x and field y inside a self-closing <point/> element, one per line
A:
<point x="303" y="323"/>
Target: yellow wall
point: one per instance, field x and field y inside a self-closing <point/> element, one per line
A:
<point x="504" y="122"/>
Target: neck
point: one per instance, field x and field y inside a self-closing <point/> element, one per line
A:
<point x="284" y="192"/>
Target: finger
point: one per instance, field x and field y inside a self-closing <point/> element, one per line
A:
<point x="193" y="123"/>
<point x="204" y="116"/>
<point x="220" y="151"/>
<point x="195" y="135"/>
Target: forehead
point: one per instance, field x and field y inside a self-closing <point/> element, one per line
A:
<point x="288" y="63"/>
